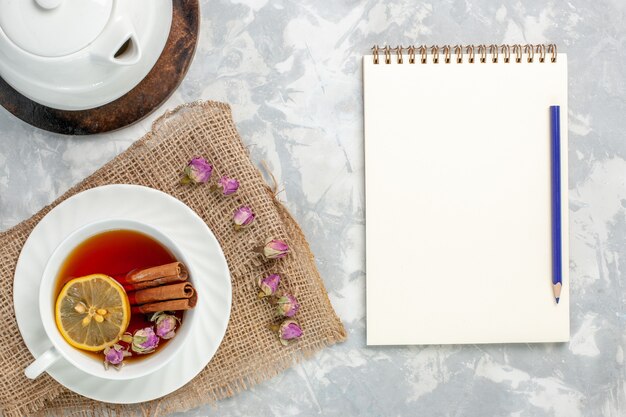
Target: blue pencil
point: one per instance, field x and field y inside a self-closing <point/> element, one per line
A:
<point x="555" y="136"/>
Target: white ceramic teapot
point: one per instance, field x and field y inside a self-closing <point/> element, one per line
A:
<point x="80" y="54"/>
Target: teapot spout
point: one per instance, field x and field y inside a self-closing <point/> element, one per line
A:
<point x="129" y="53"/>
<point x="117" y="44"/>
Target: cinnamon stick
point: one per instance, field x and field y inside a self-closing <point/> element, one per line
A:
<point x="153" y="277"/>
<point x="162" y="293"/>
<point x="170" y="305"/>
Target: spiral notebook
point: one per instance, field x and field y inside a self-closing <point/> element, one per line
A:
<point x="458" y="220"/>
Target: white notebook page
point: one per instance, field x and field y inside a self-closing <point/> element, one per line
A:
<point x="458" y="221"/>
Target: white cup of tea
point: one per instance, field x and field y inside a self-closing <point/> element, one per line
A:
<point x="60" y="349"/>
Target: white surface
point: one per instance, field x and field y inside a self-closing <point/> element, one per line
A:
<point x="41" y="28"/>
<point x="292" y="73"/>
<point x="174" y="219"/>
<point x="88" y="77"/>
<point x="47" y="298"/>
<point x="458" y="220"/>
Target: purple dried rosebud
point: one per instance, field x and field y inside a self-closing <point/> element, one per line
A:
<point x="287" y="305"/>
<point x="228" y="185"/>
<point x="165" y="324"/>
<point x="269" y="285"/>
<point x="197" y="171"/>
<point x="114" y="355"/>
<point x="289" y="331"/>
<point x="145" y="341"/>
<point x="242" y="217"/>
<point x="275" y="249"/>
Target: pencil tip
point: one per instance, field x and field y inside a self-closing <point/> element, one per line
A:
<point x="557" y="300"/>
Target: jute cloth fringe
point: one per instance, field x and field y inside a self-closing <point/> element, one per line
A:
<point x="249" y="353"/>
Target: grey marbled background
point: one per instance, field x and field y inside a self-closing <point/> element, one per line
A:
<point x="291" y="72"/>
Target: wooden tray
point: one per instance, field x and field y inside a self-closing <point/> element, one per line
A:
<point x="150" y="93"/>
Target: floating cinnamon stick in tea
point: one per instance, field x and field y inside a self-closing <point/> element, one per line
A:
<point x="153" y="277"/>
<point x="161" y="293"/>
<point x="170" y="305"/>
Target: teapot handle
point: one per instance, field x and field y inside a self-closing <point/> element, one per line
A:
<point x="118" y="43"/>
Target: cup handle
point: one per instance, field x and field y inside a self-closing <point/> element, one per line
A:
<point x="42" y="363"/>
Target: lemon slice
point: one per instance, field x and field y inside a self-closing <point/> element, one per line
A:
<point x="92" y="312"/>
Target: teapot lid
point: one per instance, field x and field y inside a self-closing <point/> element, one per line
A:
<point x="53" y="28"/>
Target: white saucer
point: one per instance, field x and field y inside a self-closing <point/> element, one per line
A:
<point x="178" y="222"/>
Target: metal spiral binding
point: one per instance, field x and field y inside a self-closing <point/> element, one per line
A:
<point x="458" y="50"/>
<point x="470" y="52"/>
<point x="517" y="49"/>
<point x="552" y="50"/>
<point x="541" y="50"/>
<point x="530" y="51"/>
<point x="423" y="52"/>
<point x="434" y="50"/>
<point x="387" y="51"/>
<point x="493" y="50"/>
<point x="475" y="53"/>
<point x="375" y="54"/>
<point x="411" y="50"/>
<point x="446" y="54"/>
<point x="506" y="51"/>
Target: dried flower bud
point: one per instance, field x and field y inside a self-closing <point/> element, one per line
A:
<point x="287" y="305"/>
<point x="275" y="249"/>
<point x="114" y="355"/>
<point x="228" y="185"/>
<point x="197" y="171"/>
<point x="165" y="324"/>
<point x="242" y="217"/>
<point x="269" y="285"/>
<point x="145" y="341"/>
<point x="288" y="331"/>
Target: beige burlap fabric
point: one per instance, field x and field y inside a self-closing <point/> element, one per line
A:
<point x="249" y="353"/>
